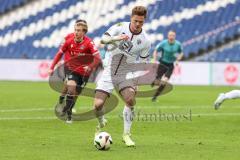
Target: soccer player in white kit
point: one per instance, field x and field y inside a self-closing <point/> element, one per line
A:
<point x="128" y="42"/>
<point x="224" y="96"/>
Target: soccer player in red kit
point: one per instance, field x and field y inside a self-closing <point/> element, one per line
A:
<point x="81" y="57"/>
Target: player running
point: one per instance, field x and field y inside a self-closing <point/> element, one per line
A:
<point x="224" y="96"/>
<point x="81" y="57"/>
<point x="130" y="42"/>
<point x="171" y="50"/>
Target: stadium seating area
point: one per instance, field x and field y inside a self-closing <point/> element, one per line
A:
<point x="227" y="54"/>
<point x="7" y="5"/>
<point x="35" y="30"/>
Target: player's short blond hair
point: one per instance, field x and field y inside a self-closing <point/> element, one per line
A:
<point x="83" y="24"/>
<point x="139" y="11"/>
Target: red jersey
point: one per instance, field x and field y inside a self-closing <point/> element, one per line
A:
<point x="78" y="55"/>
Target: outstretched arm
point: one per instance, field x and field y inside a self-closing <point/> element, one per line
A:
<point x="107" y="39"/>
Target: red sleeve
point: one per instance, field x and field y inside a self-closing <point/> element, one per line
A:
<point x="59" y="55"/>
<point x="96" y="56"/>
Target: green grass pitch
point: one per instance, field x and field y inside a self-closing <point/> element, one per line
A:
<point x="191" y="129"/>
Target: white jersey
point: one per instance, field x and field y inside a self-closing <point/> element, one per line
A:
<point x="122" y="52"/>
<point x="123" y="55"/>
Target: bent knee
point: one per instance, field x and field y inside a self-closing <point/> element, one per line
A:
<point x="71" y="89"/>
<point x="164" y="80"/>
<point x="130" y="101"/>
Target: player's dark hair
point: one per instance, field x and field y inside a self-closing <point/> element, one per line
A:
<point x="139" y="11"/>
<point x="82" y="23"/>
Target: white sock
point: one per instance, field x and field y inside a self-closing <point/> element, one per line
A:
<point x="232" y="94"/>
<point x="100" y="115"/>
<point x="128" y="114"/>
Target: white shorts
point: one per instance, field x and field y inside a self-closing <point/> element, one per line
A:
<point x="106" y="83"/>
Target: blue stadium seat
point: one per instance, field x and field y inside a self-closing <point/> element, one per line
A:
<point x="186" y="29"/>
<point x="10" y="4"/>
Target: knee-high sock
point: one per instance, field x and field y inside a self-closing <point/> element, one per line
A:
<point x="100" y="114"/>
<point x="69" y="103"/>
<point x="159" y="90"/>
<point x="128" y="115"/>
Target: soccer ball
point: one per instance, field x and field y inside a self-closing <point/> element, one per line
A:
<point x="102" y="141"/>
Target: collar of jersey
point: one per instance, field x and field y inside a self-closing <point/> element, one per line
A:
<point x="134" y="33"/>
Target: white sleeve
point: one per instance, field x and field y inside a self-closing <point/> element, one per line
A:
<point x="111" y="35"/>
<point x="145" y="53"/>
<point x="114" y="30"/>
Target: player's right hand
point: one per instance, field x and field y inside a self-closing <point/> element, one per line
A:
<point x="50" y="72"/>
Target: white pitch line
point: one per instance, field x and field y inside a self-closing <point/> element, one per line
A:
<point x="28" y="118"/>
<point x="26" y="110"/>
<point x="215" y="114"/>
<point x="87" y="107"/>
<point x="117" y="116"/>
<point x="174" y="107"/>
